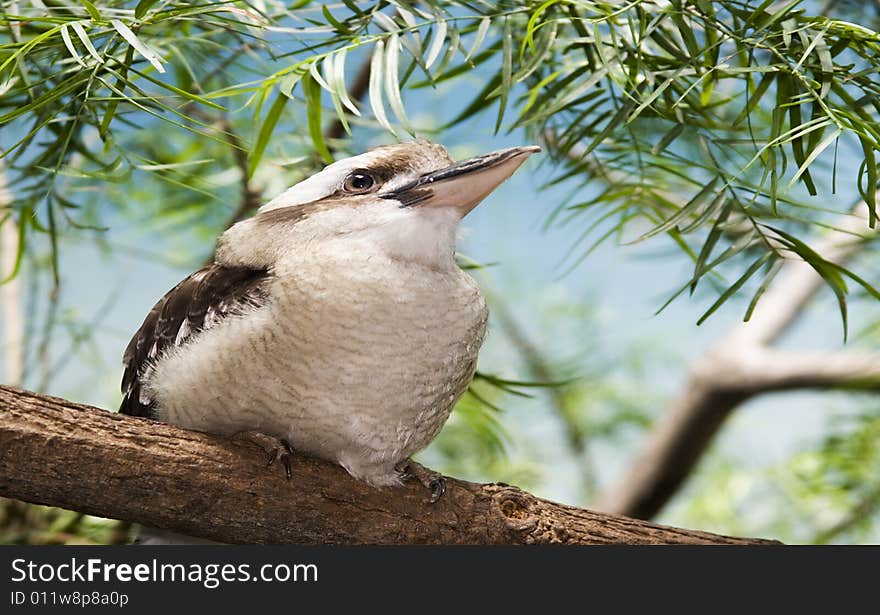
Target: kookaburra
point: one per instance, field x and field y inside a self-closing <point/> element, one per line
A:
<point x="335" y="321"/>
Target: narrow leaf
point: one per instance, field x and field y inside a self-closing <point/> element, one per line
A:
<point x="376" y="86"/>
<point x="142" y="7"/>
<point x="870" y="192"/>
<point x="392" y="81"/>
<point x="727" y="294"/>
<point x="330" y="75"/>
<point x="385" y="22"/>
<point x="265" y="133"/>
<point x="775" y="267"/>
<point x="86" y="41"/>
<point x="436" y="44"/>
<point x="94" y="13"/>
<point x="151" y="56"/>
<point x="480" y="36"/>
<point x="668" y="138"/>
<point x="690" y="208"/>
<point x="506" y="72"/>
<point x="821" y="147"/>
<point x="710" y="243"/>
<point x="65" y="36"/>
<point x="339" y="82"/>
<point x="312" y="92"/>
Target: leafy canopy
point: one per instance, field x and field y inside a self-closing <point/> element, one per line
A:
<point x="708" y="122"/>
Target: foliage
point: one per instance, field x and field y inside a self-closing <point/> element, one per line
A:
<point x="712" y="124"/>
<point x="705" y="120"/>
<point x="29" y="524"/>
<point x="825" y="492"/>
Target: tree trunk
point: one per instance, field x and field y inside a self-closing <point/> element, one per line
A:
<point x="59" y="453"/>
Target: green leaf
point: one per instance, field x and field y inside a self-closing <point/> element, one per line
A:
<point x="337" y="25"/>
<point x="775" y="268"/>
<point x="23" y="220"/>
<point x="266" y="130"/>
<point x="830" y="272"/>
<point x="727" y="294"/>
<point x="479" y="103"/>
<point x="24" y="49"/>
<point x="480" y="36"/>
<point x="755" y="97"/>
<point x="339" y="82"/>
<point x="458" y="70"/>
<point x="613" y="123"/>
<point x="65" y="36"/>
<point x="104" y="128"/>
<point x="738" y="247"/>
<point x="806" y="162"/>
<point x="392" y="81"/>
<point x="710" y="243"/>
<point x="331" y="77"/>
<point x="142" y="7"/>
<point x="376" y="77"/>
<point x="668" y="138"/>
<point x="532" y="26"/>
<point x="312" y="92"/>
<point x="84" y="37"/>
<point x="506" y="72"/>
<point x="540" y="55"/>
<point x="690" y="208"/>
<point x="180" y="92"/>
<point x="94" y="13"/>
<point x="436" y="43"/>
<point x="869" y="194"/>
<point x="131" y="38"/>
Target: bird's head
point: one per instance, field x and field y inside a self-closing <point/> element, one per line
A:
<point x="405" y="200"/>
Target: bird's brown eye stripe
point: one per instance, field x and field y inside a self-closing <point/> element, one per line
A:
<point x="359" y="182"/>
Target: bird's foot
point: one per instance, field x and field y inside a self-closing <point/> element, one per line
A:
<point x="278" y="449"/>
<point x="432" y="480"/>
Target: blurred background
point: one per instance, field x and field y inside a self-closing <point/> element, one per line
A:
<point x="118" y="183"/>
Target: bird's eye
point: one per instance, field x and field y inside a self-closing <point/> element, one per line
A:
<point x="358" y="182"/>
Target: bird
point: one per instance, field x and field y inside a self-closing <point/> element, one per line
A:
<point x="334" y="322"/>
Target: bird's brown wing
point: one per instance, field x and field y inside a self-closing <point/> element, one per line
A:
<point x="199" y="302"/>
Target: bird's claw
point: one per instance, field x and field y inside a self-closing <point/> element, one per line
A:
<point x="276" y="448"/>
<point x="282" y="452"/>
<point x="438" y="488"/>
<point x="433" y="481"/>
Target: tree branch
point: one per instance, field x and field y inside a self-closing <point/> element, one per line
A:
<point x="64" y="454"/>
<point x="770" y="369"/>
<point x="739" y="366"/>
<point x="867" y="506"/>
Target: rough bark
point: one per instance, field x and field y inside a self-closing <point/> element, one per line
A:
<point x="59" y="453"/>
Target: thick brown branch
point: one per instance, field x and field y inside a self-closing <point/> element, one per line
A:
<point x="64" y="454"/>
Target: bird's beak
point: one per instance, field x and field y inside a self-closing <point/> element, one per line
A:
<point x="462" y="185"/>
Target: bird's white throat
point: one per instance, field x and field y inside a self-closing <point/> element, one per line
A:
<point x="424" y="236"/>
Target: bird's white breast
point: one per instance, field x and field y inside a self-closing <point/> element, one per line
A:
<point x="357" y="358"/>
